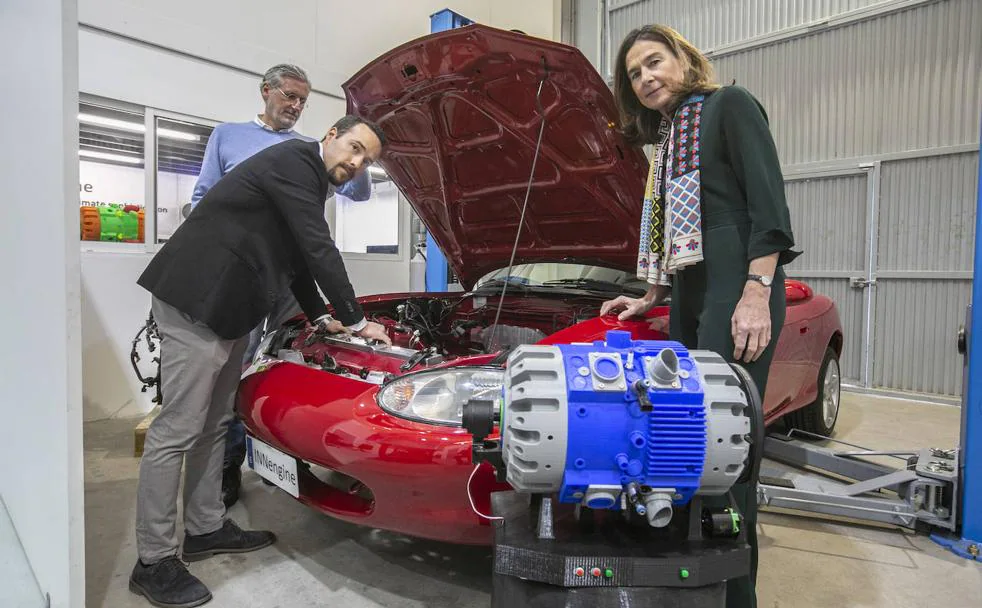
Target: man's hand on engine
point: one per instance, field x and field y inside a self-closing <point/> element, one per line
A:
<point x="374" y="331"/>
<point x="329" y="325"/>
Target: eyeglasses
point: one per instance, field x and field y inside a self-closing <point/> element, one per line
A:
<point x="293" y="99"/>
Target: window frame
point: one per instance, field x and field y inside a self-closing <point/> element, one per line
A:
<point x="150" y="115"/>
<point x="100" y="246"/>
<point x="150" y="244"/>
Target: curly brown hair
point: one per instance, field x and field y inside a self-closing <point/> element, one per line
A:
<point x="638" y="123"/>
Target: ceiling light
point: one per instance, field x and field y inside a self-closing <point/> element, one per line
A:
<point x="135" y="127"/>
<point x="112" y="122"/>
<point x="177" y="134"/>
<point x="113" y="157"/>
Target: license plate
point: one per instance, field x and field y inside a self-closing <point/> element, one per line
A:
<point x="273" y="465"/>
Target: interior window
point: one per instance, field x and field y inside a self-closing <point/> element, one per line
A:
<point x="370" y="226"/>
<point x="111" y="172"/>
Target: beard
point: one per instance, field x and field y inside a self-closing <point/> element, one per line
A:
<point x="339" y="175"/>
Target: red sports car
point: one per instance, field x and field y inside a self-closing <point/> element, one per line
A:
<point x="371" y="434"/>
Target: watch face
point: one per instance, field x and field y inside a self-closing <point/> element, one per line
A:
<point x="766" y="281"/>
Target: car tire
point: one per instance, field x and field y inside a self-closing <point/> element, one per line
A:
<point x="819" y="417"/>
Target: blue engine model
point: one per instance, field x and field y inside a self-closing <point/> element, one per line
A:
<point x="622" y="424"/>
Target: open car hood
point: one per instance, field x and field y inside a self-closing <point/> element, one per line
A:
<point x="460" y="114"/>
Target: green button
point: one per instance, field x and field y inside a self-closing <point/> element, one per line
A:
<point x="609" y="573"/>
<point x="683" y="573"/>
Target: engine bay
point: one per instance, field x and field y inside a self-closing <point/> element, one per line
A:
<point x="429" y="331"/>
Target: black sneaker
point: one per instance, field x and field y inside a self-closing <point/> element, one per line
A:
<point x="168" y="584"/>
<point x="231" y="482"/>
<point x="230" y="538"/>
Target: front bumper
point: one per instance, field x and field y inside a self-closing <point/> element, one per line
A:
<point x="396" y="474"/>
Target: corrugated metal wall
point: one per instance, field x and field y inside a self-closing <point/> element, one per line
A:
<point x="924" y="264"/>
<point x="895" y="85"/>
<point x="927" y="214"/>
<point x="915" y="332"/>
<point x="710" y="24"/>
<point x="838" y="242"/>
<point x="839" y="245"/>
<point x="905" y="81"/>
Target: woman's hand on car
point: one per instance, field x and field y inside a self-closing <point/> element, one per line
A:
<point x="631" y="307"/>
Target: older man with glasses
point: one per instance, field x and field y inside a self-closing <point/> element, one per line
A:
<point x="285" y="91"/>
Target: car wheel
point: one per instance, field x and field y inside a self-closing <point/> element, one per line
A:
<point x="819" y="416"/>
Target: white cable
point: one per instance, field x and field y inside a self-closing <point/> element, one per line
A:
<point x="471" y="498"/>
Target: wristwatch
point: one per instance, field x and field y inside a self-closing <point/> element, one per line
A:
<point x="763" y="279"/>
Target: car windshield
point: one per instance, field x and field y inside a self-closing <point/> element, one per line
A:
<point x="549" y="275"/>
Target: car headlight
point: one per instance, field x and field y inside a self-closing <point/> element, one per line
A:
<point x="438" y="396"/>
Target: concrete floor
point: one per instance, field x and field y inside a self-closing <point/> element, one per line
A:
<point x="322" y="562"/>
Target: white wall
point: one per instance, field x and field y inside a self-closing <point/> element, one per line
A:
<point x="202" y="59"/>
<point x="331" y="39"/>
<point x="41" y="436"/>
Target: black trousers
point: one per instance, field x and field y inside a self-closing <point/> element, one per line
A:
<point x="702" y="309"/>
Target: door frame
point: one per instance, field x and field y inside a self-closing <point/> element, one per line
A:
<point x="867" y="280"/>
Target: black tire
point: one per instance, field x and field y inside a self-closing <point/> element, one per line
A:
<point x="820" y="416"/>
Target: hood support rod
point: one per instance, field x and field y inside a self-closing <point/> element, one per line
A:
<point x="528" y="191"/>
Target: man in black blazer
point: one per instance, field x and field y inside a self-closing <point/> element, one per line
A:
<point x="258" y="230"/>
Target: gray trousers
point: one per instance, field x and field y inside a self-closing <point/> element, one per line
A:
<point x="199" y="373"/>
<point x="284" y="308"/>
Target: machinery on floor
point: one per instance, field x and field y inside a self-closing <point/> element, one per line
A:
<point x="623" y="454"/>
<point x="617" y="449"/>
<point x="919" y="493"/>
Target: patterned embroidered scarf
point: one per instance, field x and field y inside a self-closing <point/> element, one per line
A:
<point x="671" y="218"/>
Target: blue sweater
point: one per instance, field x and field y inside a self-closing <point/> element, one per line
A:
<point x="233" y="142"/>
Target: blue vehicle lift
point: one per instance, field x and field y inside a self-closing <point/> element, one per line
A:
<point x="969" y="541"/>
<point x="436" y="261"/>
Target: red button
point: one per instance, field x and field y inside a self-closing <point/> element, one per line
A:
<point x="596" y="572"/>
<point x="579" y="572"/>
